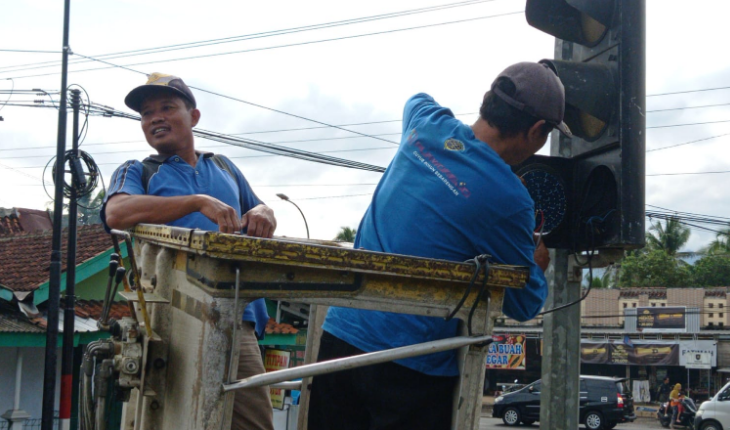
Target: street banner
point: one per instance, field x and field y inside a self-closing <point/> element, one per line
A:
<point x="594" y="353"/>
<point x="277" y="359"/>
<point x="633" y="354"/>
<point x="507" y="352"/>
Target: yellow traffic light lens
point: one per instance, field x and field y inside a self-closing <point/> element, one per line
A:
<point x="591" y="126"/>
<point x="593" y="31"/>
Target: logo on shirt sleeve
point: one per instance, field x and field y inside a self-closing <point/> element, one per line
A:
<point x="454" y="145"/>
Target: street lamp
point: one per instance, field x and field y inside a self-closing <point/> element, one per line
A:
<point x="286" y="198"/>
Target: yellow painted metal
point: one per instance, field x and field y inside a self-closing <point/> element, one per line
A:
<point x="311" y="255"/>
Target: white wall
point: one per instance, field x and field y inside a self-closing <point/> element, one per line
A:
<point x="31" y="397"/>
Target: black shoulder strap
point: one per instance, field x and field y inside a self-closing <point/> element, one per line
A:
<point x="149" y="168"/>
<point x="220" y="161"/>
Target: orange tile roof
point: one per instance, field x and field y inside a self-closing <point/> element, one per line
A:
<point x="26" y="257"/>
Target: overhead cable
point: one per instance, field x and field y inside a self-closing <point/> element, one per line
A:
<point x="285" y="45"/>
<point x="203" y="43"/>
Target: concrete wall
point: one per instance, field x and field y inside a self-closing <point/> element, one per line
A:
<point x="31" y="397"/>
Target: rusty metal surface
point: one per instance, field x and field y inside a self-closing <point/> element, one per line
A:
<point x="300" y="253"/>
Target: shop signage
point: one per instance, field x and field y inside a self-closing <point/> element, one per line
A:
<point x="277" y="359"/>
<point x="667" y="319"/>
<point x="637" y="354"/>
<point x="698" y="354"/>
<point x="507" y="352"/>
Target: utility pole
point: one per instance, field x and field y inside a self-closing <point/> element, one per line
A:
<point x="69" y="316"/>
<point x="560" y="392"/>
<point x="54" y="289"/>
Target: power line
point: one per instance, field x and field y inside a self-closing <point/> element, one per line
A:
<point x="30" y="51"/>
<point x="691" y="123"/>
<point x="198" y="44"/>
<point x="687" y="107"/>
<point x="285" y="45"/>
<point x="687" y="91"/>
<point x="689" y="173"/>
<point x="290" y="114"/>
<point x="687" y="143"/>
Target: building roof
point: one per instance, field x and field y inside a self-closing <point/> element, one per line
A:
<point x="87" y="312"/>
<point x="26" y="256"/>
<point x="655" y="293"/>
<point x="17" y="220"/>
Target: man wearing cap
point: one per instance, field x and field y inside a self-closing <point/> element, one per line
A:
<point x="182" y="187"/>
<point x="449" y="193"/>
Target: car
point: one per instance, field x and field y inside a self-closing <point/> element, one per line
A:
<point x="714" y="414"/>
<point x="604" y="403"/>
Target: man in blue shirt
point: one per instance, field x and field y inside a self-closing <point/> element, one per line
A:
<point x="449" y="193"/>
<point x="193" y="189"/>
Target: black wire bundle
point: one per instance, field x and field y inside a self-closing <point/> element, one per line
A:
<point x="479" y="262"/>
<point x="92" y="172"/>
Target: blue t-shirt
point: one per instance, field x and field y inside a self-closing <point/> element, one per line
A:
<point x="175" y="177"/>
<point x="445" y="195"/>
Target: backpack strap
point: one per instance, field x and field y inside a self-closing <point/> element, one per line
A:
<point x="222" y="162"/>
<point x="150" y="166"/>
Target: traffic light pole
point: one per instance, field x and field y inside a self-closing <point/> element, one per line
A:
<point x="559" y="394"/>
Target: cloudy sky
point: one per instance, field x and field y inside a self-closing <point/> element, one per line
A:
<point x="365" y="76"/>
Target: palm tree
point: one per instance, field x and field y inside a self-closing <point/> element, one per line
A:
<point x="346" y="234"/>
<point x="721" y="244"/>
<point x="669" y="237"/>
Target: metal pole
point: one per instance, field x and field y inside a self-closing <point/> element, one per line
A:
<point x="305" y="219"/>
<point x="67" y="355"/>
<point x="54" y="289"/>
<point x="362" y="360"/>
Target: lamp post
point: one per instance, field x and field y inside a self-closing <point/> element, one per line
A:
<point x="286" y="198"/>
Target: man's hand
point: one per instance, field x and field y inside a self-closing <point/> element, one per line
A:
<point x="260" y="222"/>
<point x="220" y="213"/>
<point x="541" y="257"/>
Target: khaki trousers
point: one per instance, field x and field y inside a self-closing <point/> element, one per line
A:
<point x="252" y="406"/>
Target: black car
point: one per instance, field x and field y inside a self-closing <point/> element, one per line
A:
<point x="604" y="403"/>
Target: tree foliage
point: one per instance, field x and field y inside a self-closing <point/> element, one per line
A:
<point x="655" y="268"/>
<point x="346" y="234"/>
<point x="712" y="271"/>
<point x="721" y="244"/>
<point x="669" y="237"/>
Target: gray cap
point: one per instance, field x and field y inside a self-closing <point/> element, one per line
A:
<point x="539" y="92"/>
<point x="156" y="83"/>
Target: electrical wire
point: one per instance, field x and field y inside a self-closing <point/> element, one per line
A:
<point x="195" y="57"/>
<point x="11" y="93"/>
<point x="690" y="173"/>
<point x="688" y="124"/>
<point x="30" y="51"/>
<point x="687" y="91"/>
<point x="203" y="43"/>
<point x="687" y="143"/>
<point x="289" y="114"/>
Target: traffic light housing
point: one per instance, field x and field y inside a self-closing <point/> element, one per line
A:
<point x="600" y="58"/>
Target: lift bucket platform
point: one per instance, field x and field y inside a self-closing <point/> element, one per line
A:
<point x="190" y="279"/>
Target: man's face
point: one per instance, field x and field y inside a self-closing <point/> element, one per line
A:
<point x="167" y="124"/>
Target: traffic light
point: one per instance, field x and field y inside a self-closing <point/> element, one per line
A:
<point x="600" y="58"/>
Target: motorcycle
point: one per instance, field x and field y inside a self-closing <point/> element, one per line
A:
<point x="686" y="420"/>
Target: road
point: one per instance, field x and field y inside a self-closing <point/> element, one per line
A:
<point x="489" y="423"/>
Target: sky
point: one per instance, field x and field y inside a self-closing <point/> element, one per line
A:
<point x="362" y="77"/>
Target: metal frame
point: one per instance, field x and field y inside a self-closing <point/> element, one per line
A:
<point x="197" y="272"/>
